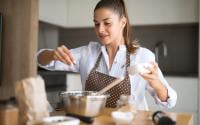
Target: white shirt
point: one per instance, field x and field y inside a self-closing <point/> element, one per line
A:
<point x="86" y="56"/>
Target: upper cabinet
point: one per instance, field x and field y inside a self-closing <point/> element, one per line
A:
<point x="148" y="12"/>
<point x="67" y="13"/>
<point x="53" y="12"/>
<point x="79" y="13"/>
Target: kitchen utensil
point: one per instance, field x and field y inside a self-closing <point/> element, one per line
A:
<point x="114" y="83"/>
<point x="160" y="118"/>
<point x="60" y="120"/>
<point x="83" y="103"/>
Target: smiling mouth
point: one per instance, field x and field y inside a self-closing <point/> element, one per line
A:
<point x="103" y="36"/>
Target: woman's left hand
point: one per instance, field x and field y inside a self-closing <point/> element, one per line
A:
<point x="152" y="77"/>
<point x="154" y="81"/>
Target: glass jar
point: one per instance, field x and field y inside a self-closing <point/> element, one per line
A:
<point x="126" y="103"/>
<point x="8" y="112"/>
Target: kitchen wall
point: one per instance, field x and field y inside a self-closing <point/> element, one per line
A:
<point x="181" y="42"/>
<point x="48" y="36"/>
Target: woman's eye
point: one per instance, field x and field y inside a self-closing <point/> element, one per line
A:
<point x="96" y="24"/>
<point x="107" y="24"/>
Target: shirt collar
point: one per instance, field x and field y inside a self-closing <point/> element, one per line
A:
<point x="122" y="47"/>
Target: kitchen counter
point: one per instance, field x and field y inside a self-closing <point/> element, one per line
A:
<point x="141" y="118"/>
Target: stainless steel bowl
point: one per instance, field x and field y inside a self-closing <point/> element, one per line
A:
<point x="83" y="103"/>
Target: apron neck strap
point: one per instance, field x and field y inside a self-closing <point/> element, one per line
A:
<point x="127" y="61"/>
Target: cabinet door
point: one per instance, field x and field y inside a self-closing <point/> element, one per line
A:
<point x="53" y="12"/>
<point x="149" y="12"/>
<point x="81" y="13"/>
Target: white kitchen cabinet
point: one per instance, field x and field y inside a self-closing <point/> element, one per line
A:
<point x="151" y="12"/>
<point x="53" y="12"/>
<point x="187" y="91"/>
<point x="67" y="13"/>
<point x="79" y="13"/>
<point x="141" y="12"/>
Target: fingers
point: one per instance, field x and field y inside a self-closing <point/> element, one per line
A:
<point x="66" y="50"/>
<point x="154" y="68"/>
<point x="63" y="54"/>
<point x="58" y="57"/>
<point x="153" y="72"/>
<point x="148" y="76"/>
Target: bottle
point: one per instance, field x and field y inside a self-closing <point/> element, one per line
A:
<point x="160" y="118"/>
<point x="8" y="112"/>
<point x="123" y="100"/>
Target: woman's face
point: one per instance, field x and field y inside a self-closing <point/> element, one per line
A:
<point x="108" y="26"/>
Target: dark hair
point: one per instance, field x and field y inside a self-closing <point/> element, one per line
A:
<point x="119" y="7"/>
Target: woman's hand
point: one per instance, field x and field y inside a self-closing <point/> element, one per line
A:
<point x="152" y="77"/>
<point x="63" y="54"/>
<point x="155" y="82"/>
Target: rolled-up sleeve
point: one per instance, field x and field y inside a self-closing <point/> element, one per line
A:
<point x="50" y="66"/>
<point x="171" y="101"/>
<point x="172" y="95"/>
<point x="148" y="56"/>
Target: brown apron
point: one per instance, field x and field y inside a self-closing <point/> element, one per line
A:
<point x="97" y="81"/>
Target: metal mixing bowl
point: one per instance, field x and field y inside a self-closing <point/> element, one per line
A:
<point x="83" y="103"/>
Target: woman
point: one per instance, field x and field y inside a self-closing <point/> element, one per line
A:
<point x="101" y="63"/>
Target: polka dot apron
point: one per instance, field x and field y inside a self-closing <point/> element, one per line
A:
<point x="97" y="81"/>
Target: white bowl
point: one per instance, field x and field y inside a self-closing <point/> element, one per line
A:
<point x="60" y="120"/>
<point x="122" y="118"/>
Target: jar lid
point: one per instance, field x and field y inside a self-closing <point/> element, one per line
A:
<point x="8" y="102"/>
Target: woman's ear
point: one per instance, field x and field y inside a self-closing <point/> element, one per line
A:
<point x="123" y="22"/>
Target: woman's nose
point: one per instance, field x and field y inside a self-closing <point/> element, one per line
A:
<point x="101" y="28"/>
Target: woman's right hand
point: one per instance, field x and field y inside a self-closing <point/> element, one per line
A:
<point x="63" y="54"/>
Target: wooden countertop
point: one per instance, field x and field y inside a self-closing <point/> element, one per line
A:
<point x="141" y="118"/>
